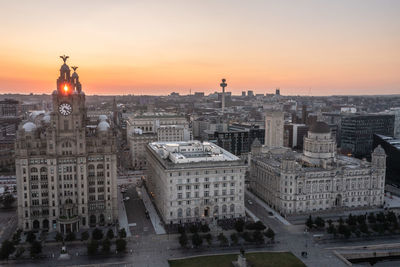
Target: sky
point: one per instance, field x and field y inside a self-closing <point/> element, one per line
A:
<point x="303" y="47"/>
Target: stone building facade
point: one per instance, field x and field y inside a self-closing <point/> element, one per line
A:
<point x="316" y="179"/>
<point x="194" y="181"/>
<point x="66" y="169"/>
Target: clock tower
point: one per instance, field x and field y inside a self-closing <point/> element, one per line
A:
<point x="66" y="165"/>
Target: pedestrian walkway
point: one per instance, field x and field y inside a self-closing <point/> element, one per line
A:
<point x="268" y="208"/>
<point x="122" y="218"/>
<point x="155" y="219"/>
<point x="252" y="215"/>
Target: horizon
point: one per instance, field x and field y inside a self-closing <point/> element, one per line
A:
<point x="154" y="48"/>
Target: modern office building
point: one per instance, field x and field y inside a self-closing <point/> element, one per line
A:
<point x="66" y="169"/>
<point x="317" y="179"/>
<point x="392" y="149"/>
<point x="294" y="135"/>
<point x="194" y="181"/>
<point x="238" y="138"/>
<point x="357" y="132"/>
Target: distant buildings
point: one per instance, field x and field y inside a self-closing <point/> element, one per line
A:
<point x="274" y="124"/>
<point x="66" y="169"/>
<point x="150" y="127"/>
<point x="238" y="138"/>
<point x="294" y="135"/>
<point x="392" y="149"/>
<point x="317" y="179"/>
<point x="194" y="181"/>
<point x="357" y="131"/>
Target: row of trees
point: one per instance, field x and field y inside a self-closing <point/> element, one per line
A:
<point x="97" y="240"/>
<point x="9" y="247"/>
<point x="358" y="225"/>
<point x="251" y="237"/>
<point x="97" y="234"/>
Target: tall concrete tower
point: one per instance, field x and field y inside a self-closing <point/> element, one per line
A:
<point x="223" y="85"/>
<point x="274" y="121"/>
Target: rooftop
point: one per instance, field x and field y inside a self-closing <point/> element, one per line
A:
<point x="191" y="152"/>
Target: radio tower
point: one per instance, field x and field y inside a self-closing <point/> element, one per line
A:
<point x="223" y="85"/>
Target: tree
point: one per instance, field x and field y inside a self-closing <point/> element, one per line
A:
<point x="193" y="228"/>
<point x="247" y="237"/>
<point x="183" y="240"/>
<point x="106" y="245"/>
<point x="181" y="229"/>
<point x="7" y="200"/>
<point x="196" y="240"/>
<point x="19" y="252"/>
<point x="97" y="234"/>
<point x="30" y="237"/>
<point x="319" y="222"/>
<point x="70" y="236"/>
<point x="120" y="245"/>
<point x="270" y="234"/>
<point x="223" y="241"/>
<point x="258" y="237"/>
<point x="110" y="234"/>
<point x="59" y="237"/>
<point x="234" y="238"/>
<point x="329" y="222"/>
<point x="340" y="221"/>
<point x="380" y="217"/>
<point x="331" y="228"/>
<point x="239" y="225"/>
<point x="7" y="248"/>
<point x="16" y="238"/>
<point x="309" y="222"/>
<point x="208" y="238"/>
<point x="84" y="236"/>
<point x="204" y="228"/>
<point x="92" y="247"/>
<point x="361" y="219"/>
<point x="122" y="233"/>
<point x="351" y="220"/>
<point x="371" y="218"/>
<point x="36" y="248"/>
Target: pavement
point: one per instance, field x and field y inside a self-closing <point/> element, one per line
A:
<point x="155" y="219"/>
<point x="122" y="218"/>
<point x="8" y="223"/>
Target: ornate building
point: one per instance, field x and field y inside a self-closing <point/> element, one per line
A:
<point x="66" y="169"/>
<point x="316" y="179"/>
<point x="193" y="181"/>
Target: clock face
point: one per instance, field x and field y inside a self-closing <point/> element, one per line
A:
<point x="65" y="109"/>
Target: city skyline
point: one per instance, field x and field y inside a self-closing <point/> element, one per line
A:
<point x="155" y="48"/>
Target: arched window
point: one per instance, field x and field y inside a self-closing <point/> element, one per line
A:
<point x="45" y="224"/>
<point x="33" y="169"/>
<point x="188" y="212"/>
<point x="224" y="208"/>
<point x="91" y="167"/>
<point x="216" y="210"/>
<point x="36" y="224"/>
<point x="179" y="213"/>
<point x="43" y="169"/>
<point x="196" y="211"/>
<point x="100" y="166"/>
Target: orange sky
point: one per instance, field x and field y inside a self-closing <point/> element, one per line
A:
<point x="156" y="47"/>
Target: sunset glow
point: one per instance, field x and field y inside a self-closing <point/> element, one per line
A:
<point x="156" y="47"/>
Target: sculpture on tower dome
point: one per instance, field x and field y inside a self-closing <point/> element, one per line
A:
<point x="64" y="58"/>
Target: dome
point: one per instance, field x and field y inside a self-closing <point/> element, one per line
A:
<point x="103" y="118"/>
<point x="320" y="127"/>
<point x="29" y="127"/>
<point x="103" y="126"/>
<point x="74" y="75"/>
<point x="46" y="118"/>
<point x="379" y="150"/>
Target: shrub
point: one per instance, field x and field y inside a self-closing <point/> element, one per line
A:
<point x="208" y="238"/>
<point x="258" y="237"/>
<point x="84" y="236"/>
<point x="7" y="248"/>
<point x="110" y="234"/>
<point x="193" y="228"/>
<point x="319" y="222"/>
<point x="183" y="240"/>
<point x="122" y="233"/>
<point x="239" y="225"/>
<point x="70" y="236"/>
<point x="97" y="234"/>
<point x="309" y="222"/>
<point x="19" y="252"/>
<point x="247" y="237"/>
<point x="196" y="240"/>
<point x="223" y="241"/>
<point x="235" y="239"/>
<point x="270" y="234"/>
<point x="92" y="247"/>
<point x="204" y="228"/>
<point x="181" y="229"/>
<point x="120" y="245"/>
<point x="36" y="248"/>
<point x="59" y="237"/>
<point x="30" y="237"/>
<point x="106" y="245"/>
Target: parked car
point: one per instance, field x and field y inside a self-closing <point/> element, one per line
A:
<point x="250" y="202"/>
<point x="126" y="199"/>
